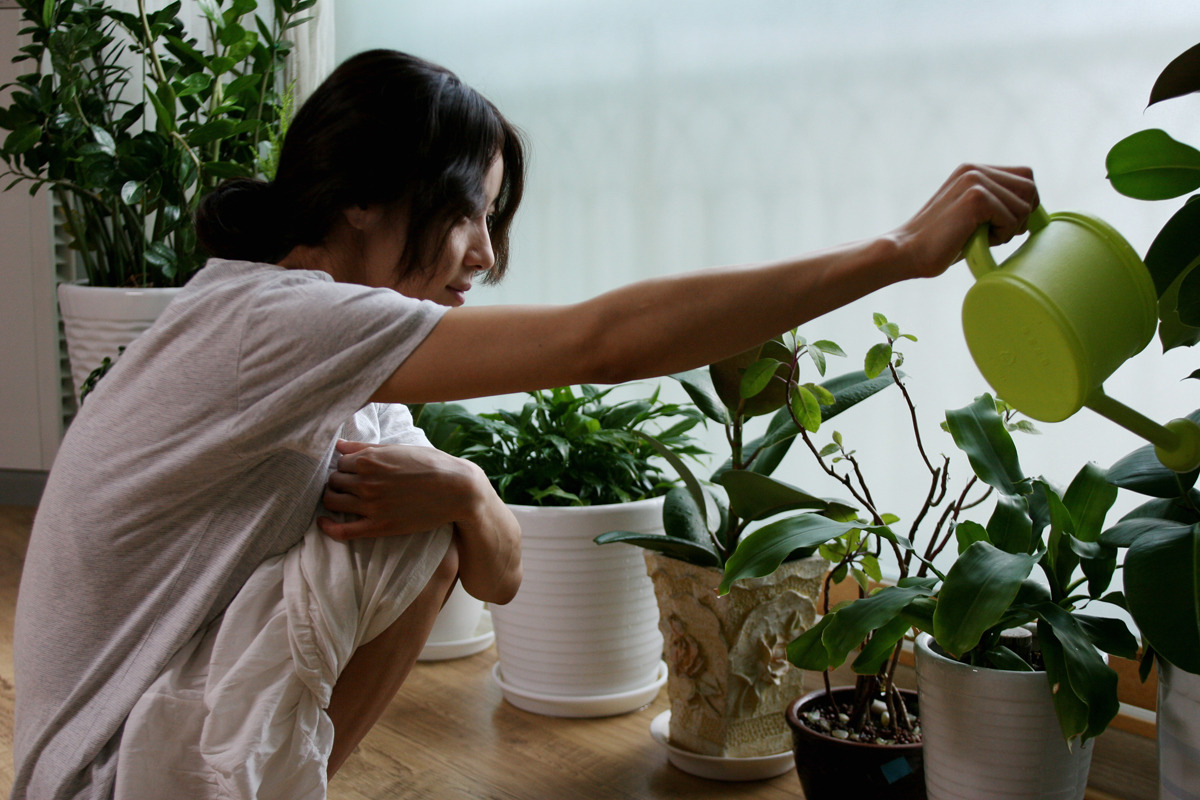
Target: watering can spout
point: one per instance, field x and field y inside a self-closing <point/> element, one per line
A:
<point x="1176" y="444"/>
<point x="1054" y="321"/>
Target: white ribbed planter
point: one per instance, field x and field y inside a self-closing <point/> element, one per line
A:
<point x="584" y="622"/>
<point x="98" y="321"/>
<point x="992" y="734"/>
<point x="1178" y="734"/>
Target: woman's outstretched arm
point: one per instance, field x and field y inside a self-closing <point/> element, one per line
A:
<point x="688" y="320"/>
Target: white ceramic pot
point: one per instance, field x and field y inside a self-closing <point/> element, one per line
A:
<point x="458" y="619"/>
<point x="992" y="734"/>
<point x="584" y="622"/>
<point x="1178" y="734"/>
<point x="98" y="321"/>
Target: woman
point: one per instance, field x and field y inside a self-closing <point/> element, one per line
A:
<point x="173" y="514"/>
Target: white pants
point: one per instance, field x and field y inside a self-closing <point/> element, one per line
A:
<point x="240" y="711"/>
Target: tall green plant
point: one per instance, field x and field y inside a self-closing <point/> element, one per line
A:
<point x="129" y="120"/>
<point x="703" y="525"/>
<point x="989" y="588"/>
<point x="1162" y="565"/>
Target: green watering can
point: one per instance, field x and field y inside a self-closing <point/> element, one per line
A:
<point x="1048" y="326"/>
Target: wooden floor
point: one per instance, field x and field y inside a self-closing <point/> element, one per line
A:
<point x="450" y="734"/>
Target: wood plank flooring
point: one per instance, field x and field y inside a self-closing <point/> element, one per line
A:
<point x="449" y="734"/>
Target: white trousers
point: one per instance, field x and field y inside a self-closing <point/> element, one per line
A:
<point x="240" y="711"/>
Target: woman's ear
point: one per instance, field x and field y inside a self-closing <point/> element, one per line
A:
<point x="364" y="218"/>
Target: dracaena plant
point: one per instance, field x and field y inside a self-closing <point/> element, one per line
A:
<point x="129" y="120"/>
<point x="568" y="446"/>
<point x="991" y="585"/>
<point x="1162" y="564"/>
<point x="704" y="521"/>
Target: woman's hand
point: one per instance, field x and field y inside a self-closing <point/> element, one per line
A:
<point x="398" y="489"/>
<point x="401" y="489"/>
<point x="1002" y="197"/>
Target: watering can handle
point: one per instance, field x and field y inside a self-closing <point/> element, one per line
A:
<point x="979" y="252"/>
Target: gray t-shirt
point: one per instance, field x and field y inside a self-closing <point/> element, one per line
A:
<point x="203" y="452"/>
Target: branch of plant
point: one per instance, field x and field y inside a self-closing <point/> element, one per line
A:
<point x="912" y="412"/>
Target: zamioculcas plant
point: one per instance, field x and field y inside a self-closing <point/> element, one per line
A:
<point x="129" y="120"/>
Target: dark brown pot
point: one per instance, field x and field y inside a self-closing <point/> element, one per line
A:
<point x="830" y="767"/>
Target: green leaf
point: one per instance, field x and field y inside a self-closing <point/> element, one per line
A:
<point x="806" y="408"/>
<point x="670" y="546"/>
<point x="826" y="346"/>
<point x="1150" y="165"/>
<point x="1003" y="658"/>
<point x="1127" y="531"/>
<point x="853" y="622"/>
<point x="1175" y="247"/>
<point x="1162" y="588"/>
<point x="807" y="651"/>
<point x="979" y="588"/>
<point x="1110" y="635"/>
<point x="851" y="389"/>
<point x="1172" y="330"/>
<point x="1180" y="77"/>
<point x="684" y="519"/>
<point x="1187" y="298"/>
<point x="132" y="192"/>
<point x="698" y="386"/>
<point x="1088" y="498"/>
<point x="753" y="496"/>
<point x="883" y="644"/>
<point x="877" y="360"/>
<point x="761" y="552"/>
<point x="967" y="533"/>
<point x="20" y="140"/>
<point x="818" y="359"/>
<point x="1074" y="668"/>
<point x="979" y="432"/>
<point x="1010" y="527"/>
<point x="193" y="84"/>
<point x="758" y="376"/>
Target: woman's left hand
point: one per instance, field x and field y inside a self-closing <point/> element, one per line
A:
<point x="398" y="489"/>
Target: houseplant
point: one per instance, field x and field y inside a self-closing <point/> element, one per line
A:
<point x="128" y="119"/>
<point x="987" y="591"/>
<point x="581" y="637"/>
<point x="1162" y="563"/>
<point x="729" y="680"/>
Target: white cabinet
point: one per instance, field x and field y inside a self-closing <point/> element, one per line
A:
<point x="30" y="387"/>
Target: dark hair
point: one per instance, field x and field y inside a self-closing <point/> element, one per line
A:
<point x="384" y="127"/>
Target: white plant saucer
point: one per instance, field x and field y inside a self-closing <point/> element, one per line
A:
<point x="480" y="641"/>
<point x="754" y="768"/>
<point x="601" y="705"/>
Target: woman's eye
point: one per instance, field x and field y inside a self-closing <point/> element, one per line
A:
<point x="490" y="221"/>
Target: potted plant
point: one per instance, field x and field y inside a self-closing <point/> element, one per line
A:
<point x="968" y="613"/>
<point x="1162" y="563"/>
<point x="728" y="676"/>
<point x="581" y="638"/>
<point x="128" y="120"/>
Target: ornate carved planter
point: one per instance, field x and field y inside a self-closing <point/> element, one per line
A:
<point x="728" y="676"/>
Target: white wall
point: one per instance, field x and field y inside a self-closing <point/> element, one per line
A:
<point x="674" y="135"/>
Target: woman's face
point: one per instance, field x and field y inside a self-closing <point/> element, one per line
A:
<point x="467" y="252"/>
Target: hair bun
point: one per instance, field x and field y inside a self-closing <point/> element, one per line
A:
<point x="241" y="220"/>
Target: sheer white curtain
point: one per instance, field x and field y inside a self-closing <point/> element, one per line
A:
<point x="673" y="135"/>
<point x="313" y="56"/>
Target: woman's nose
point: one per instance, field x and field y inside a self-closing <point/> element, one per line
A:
<point x="480" y="255"/>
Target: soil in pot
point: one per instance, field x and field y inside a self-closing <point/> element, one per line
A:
<point x="833" y="767"/>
